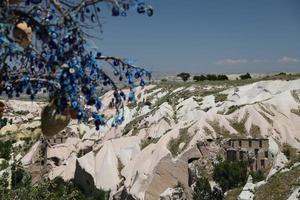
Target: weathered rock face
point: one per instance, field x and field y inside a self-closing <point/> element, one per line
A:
<point x="173" y="194"/>
<point x="167" y="173"/>
<point x="133" y="166"/>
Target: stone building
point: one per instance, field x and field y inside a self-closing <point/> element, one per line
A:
<point x="256" y="151"/>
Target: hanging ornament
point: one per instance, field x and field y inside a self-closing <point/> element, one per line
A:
<point x="22" y="34"/>
<point x="52" y="120"/>
<point x="115" y="11"/>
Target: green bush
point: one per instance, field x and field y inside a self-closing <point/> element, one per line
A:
<point x="5" y="149"/>
<point x="56" y="189"/>
<point x="202" y="191"/>
<point x="230" y="175"/>
<point x="258" y="176"/>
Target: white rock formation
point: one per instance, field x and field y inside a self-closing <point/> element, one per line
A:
<point x="248" y="190"/>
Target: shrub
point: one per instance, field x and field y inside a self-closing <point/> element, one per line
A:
<point x="184" y="76"/>
<point x="230" y="175"/>
<point x="245" y="76"/>
<point x="219" y="97"/>
<point x="258" y="176"/>
<point x="199" y="78"/>
<point x="48" y="189"/>
<point x="202" y="191"/>
<point x="5" y="149"/>
<point x="145" y="142"/>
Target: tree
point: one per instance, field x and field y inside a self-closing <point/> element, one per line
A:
<point x="47" y="189"/>
<point x="199" y="78"/>
<point x="245" y="76"/>
<point x="5" y="149"/>
<point x="184" y="76"/>
<point x="44" y="49"/>
<point x="202" y="191"/>
<point x="230" y="174"/>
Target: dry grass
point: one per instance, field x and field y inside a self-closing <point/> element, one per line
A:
<point x="296" y="111"/>
<point x="280" y="186"/>
<point x="219" y="97"/>
<point x="255" y="131"/>
<point x="174" y="143"/>
<point x="268" y="119"/>
<point x="239" y="126"/>
<point x="233" y="194"/>
<point x="265" y="109"/>
<point x="296" y="95"/>
<point x="219" y="130"/>
<point x="145" y="142"/>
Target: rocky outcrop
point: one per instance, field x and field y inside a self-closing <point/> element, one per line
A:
<point x="248" y="190"/>
<point x="167" y="173"/>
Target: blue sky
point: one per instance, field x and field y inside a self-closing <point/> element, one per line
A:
<point x="209" y="36"/>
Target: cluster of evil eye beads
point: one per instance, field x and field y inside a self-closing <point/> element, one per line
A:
<point x="59" y="63"/>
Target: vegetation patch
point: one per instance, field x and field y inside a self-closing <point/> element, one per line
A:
<point x="296" y="111"/>
<point x="258" y="176"/>
<point x="268" y="119"/>
<point x="203" y="191"/>
<point x="233" y="108"/>
<point x="120" y="167"/>
<point x="233" y="194"/>
<point x="239" y="126"/>
<point x="230" y="175"/>
<point x="219" y="130"/>
<point x="279" y="186"/>
<point x="5" y="149"/>
<point x="266" y="110"/>
<point x="255" y="131"/>
<point x="290" y="153"/>
<point x="145" y="142"/>
<point x="21" y="188"/>
<point x="219" y="97"/>
<point x="296" y="95"/>
<point x="174" y="143"/>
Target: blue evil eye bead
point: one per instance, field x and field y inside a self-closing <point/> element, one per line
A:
<point x="79" y="115"/>
<point x="141" y="9"/>
<point x="71" y="70"/>
<point x="115" y="11"/>
<point x="126" y="6"/>
<point x="74" y="104"/>
<point x="137" y="75"/>
<point x="122" y="94"/>
<point x="93" y="17"/>
<point x="150" y="12"/>
<point x="142" y="83"/>
<point x="98" y="104"/>
<point x="116" y="63"/>
<point x="87" y="10"/>
<point x="131" y="97"/>
<point x="116" y="73"/>
<point x="28" y="91"/>
<point x="99" y="54"/>
<point x="123" y="14"/>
